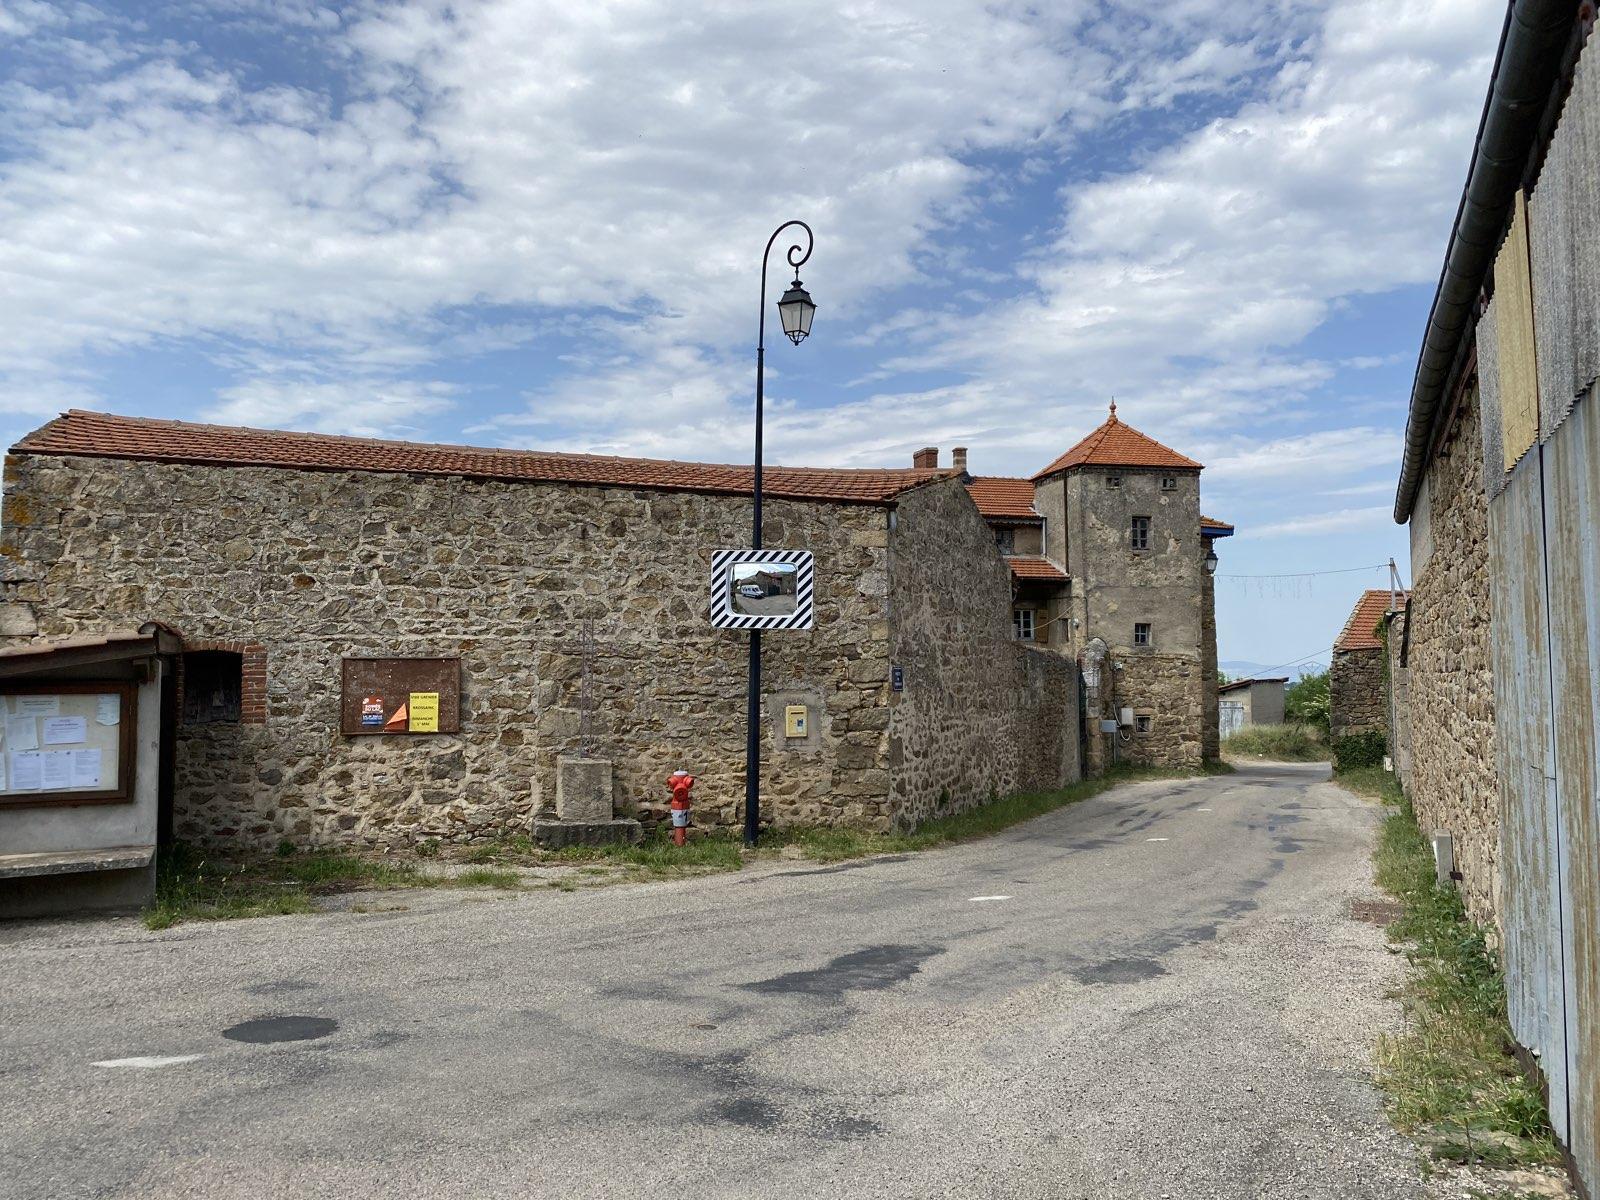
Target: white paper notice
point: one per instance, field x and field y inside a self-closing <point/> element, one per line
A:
<point x="57" y="769"/>
<point x="65" y="731"/>
<point x="85" y="768"/>
<point x="107" y="710"/>
<point x="22" y="733"/>
<point x="27" y="771"/>
<point x="36" y="706"/>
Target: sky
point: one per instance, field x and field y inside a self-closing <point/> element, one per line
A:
<point x="538" y="224"/>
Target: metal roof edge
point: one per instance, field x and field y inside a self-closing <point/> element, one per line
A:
<point x="1527" y="67"/>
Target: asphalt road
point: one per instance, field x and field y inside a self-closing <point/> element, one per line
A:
<point x="1157" y="993"/>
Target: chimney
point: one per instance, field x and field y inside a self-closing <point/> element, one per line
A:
<point x="928" y="456"/>
<point x="958" y="459"/>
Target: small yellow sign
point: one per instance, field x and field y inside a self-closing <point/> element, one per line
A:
<point x="794" y="720"/>
<point x="424" y="712"/>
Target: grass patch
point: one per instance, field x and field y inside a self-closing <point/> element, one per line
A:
<point x="487" y="877"/>
<point x="835" y="844"/>
<point x="715" y="850"/>
<point x="194" y="886"/>
<point x="1450" y="1076"/>
<point x="1281" y="743"/>
<point x="1373" y="782"/>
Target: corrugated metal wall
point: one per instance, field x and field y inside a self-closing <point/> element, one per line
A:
<point x="1543" y="484"/>
<point x="1530" y="855"/>
<point x="1571" y="469"/>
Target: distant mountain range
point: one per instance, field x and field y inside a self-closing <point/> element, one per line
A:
<point x="1239" y="669"/>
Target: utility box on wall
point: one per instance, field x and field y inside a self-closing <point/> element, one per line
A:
<point x="795" y="721"/>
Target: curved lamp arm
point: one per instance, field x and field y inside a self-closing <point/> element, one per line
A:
<point x="796" y="254"/>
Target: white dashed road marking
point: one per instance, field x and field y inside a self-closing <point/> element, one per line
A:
<point x="145" y="1062"/>
<point x="973" y="899"/>
<point x="1158" y="839"/>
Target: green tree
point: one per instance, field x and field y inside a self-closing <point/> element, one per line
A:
<point x="1306" y="701"/>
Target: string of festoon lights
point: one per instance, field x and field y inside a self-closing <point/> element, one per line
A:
<point x="1297" y="585"/>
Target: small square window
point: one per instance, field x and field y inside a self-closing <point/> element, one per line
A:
<point x="1113" y="481"/>
<point x="1022" y="623"/>
<point x="1006" y="540"/>
<point x="1141" y="633"/>
<point x="1140" y="536"/>
<point x="1169" y="483"/>
<point x="1141" y="723"/>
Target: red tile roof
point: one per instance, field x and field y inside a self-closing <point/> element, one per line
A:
<point x="102" y="435"/>
<point x="1035" y="567"/>
<point x="1116" y="444"/>
<point x="1002" y="498"/>
<point x="1358" y="632"/>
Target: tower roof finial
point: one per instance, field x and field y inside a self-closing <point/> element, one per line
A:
<point x="1113" y="408"/>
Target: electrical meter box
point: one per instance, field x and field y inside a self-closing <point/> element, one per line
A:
<point x="794" y="721"/>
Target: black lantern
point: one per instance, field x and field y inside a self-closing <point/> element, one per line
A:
<point x="795" y="309"/>
<point x="1211" y="559"/>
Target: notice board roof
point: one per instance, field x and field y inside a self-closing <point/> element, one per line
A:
<point x="63" y="653"/>
<point x="104" y="435"/>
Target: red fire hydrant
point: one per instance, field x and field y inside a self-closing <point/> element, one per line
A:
<point x="681" y="783"/>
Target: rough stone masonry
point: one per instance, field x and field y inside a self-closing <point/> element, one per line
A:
<point x="295" y="569"/>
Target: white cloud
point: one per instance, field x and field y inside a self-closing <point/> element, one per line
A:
<point x="369" y="408"/>
<point x="1345" y="520"/>
<point x="551" y="158"/>
<point x="1306" y="457"/>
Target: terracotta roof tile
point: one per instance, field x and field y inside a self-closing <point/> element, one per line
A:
<point x="1003" y="499"/>
<point x="102" y="435"/>
<point x="1358" y="632"/>
<point x="1116" y="444"/>
<point x="1035" y="567"/>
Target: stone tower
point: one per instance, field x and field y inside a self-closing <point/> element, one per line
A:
<point x="1122" y="514"/>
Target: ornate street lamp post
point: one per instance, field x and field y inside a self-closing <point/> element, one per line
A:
<point x="795" y="310"/>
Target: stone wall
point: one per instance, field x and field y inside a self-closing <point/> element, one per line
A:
<point x="312" y="566"/>
<point x="1115" y="586"/>
<point x="1454" y="783"/>
<point x="1356" y="701"/>
<point x="982" y="715"/>
<point x="1169" y="690"/>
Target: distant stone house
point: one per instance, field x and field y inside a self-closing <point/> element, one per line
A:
<point x="1251" y="702"/>
<point x="1107" y="550"/>
<point x="1357" y="696"/>
<point x="569" y="597"/>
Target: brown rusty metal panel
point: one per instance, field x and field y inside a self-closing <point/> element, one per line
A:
<point x="390" y="683"/>
<point x="1572" y="508"/>
<point x="1530" y="873"/>
<point x="1494" y="465"/>
<point x="1513" y="330"/>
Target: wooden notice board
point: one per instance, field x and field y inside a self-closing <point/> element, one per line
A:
<point x="400" y="695"/>
<point x="67" y="743"/>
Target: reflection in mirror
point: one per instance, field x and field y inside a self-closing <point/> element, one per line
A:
<point x="763" y="589"/>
